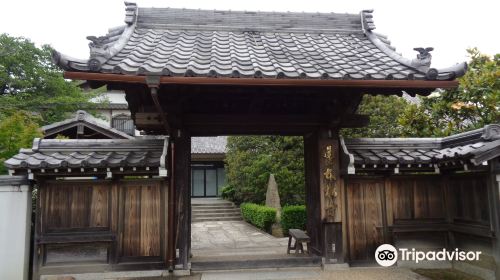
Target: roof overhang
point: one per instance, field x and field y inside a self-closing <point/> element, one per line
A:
<point x="403" y="84"/>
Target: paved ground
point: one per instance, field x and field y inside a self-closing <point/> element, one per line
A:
<point x="233" y="238"/>
<point x="317" y="274"/>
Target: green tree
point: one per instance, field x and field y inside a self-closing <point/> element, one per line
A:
<point x="251" y="159"/>
<point x="384" y="112"/>
<point x="17" y="131"/>
<point x="475" y="103"/>
<point x="30" y="81"/>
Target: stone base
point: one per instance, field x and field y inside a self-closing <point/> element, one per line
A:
<point x="425" y="264"/>
<point x="108" y="275"/>
<point x="180" y="271"/>
<point x="334" y="266"/>
<point x="277" y="230"/>
<point x="471" y="269"/>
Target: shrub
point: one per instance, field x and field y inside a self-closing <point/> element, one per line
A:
<point x="293" y="217"/>
<point x="258" y="215"/>
<point x="227" y="192"/>
<point x="250" y="160"/>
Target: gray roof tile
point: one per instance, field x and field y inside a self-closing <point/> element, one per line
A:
<point x="187" y="42"/>
<point x="475" y="146"/>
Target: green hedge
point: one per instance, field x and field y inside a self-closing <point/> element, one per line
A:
<point x="260" y="216"/>
<point x="294" y="216"/>
<point x="227" y="192"/>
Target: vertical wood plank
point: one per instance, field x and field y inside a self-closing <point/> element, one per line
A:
<point x="79" y="206"/>
<point x="132" y="223"/>
<point x="99" y="206"/>
<point x="150" y="220"/>
<point x="403" y="199"/>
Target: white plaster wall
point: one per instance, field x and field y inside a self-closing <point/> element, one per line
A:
<point x="15" y="221"/>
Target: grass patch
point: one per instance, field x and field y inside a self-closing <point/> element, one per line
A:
<point x="445" y="274"/>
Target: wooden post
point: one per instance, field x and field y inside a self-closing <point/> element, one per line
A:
<point x="324" y="194"/>
<point x="181" y="170"/>
<point x="448" y="194"/>
<point x="494" y="201"/>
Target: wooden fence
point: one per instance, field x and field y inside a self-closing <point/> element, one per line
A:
<point x="102" y="224"/>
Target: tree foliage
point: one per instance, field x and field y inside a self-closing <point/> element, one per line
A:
<point x="251" y="159"/>
<point x="17" y="131"/>
<point x="33" y="93"/>
<point x="474" y="104"/>
<point x="384" y="113"/>
<point x="30" y="81"/>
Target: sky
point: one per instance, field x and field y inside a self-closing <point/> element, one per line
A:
<point x="448" y="26"/>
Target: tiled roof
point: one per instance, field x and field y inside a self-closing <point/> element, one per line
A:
<point x="208" y="145"/>
<point x="469" y="148"/>
<point x="102" y="153"/>
<point x="473" y="147"/>
<point x="187" y="42"/>
<point x="87" y="120"/>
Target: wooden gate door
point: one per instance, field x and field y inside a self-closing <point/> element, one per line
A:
<point x="365" y="224"/>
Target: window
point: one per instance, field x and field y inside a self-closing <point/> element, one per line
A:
<point x="123" y="123"/>
<point x="207" y="180"/>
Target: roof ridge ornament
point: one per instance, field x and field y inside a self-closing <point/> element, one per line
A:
<point x="367" y="23"/>
<point x="103" y="48"/>
<point x="130" y="12"/>
<point x="423" y="62"/>
<point x="491" y="132"/>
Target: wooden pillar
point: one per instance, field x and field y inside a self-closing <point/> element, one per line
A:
<point x="181" y="173"/>
<point x="494" y="201"/>
<point x="448" y="194"/>
<point x="324" y="194"/>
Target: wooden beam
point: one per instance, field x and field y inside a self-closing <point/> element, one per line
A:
<point x="218" y="124"/>
<point x="403" y="84"/>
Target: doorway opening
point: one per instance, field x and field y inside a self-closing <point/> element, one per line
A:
<point x="220" y="236"/>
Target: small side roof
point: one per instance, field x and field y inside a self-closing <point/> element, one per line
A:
<point x="471" y="148"/>
<point x="461" y="151"/>
<point x="82" y="120"/>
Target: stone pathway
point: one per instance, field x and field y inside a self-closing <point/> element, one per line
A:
<point x="317" y="274"/>
<point x="233" y="238"/>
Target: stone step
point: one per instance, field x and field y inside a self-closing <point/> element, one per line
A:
<point x="217" y="202"/>
<point x="215" y="215"/>
<point x="283" y="262"/>
<point x="215" y="211"/>
<point x="212" y="206"/>
<point x="215" y="219"/>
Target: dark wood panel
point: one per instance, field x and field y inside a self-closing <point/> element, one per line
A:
<point x="79" y="207"/>
<point x="470" y="199"/>
<point x="313" y="192"/>
<point x="57" y="208"/>
<point x="417" y="198"/>
<point x="99" y="215"/>
<point x="402" y="199"/>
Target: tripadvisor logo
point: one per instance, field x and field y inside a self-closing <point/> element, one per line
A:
<point x="387" y="255"/>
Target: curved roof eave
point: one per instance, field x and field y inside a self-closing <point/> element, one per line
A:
<point x="101" y="48"/>
<point x="104" y="49"/>
<point x="423" y="61"/>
